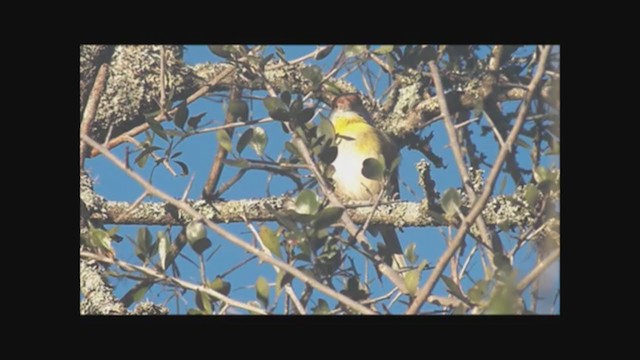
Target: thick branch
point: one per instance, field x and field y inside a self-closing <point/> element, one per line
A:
<point x="92" y="107"/>
<point x="98" y="296"/>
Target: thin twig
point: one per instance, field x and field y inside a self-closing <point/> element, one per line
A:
<point x="162" y="116"/>
<point x="477" y="208"/>
<point x="298" y="60"/>
<point x="365" y="226"/>
<point x="381" y="63"/>
<point x="466" y="262"/>
<point x="489" y="242"/>
<point x="538" y="270"/>
<point x="288" y="290"/>
<point x="91" y="108"/>
<point x="218" y="165"/>
<point x="464" y="123"/>
<point x="163" y="96"/>
<point x="203" y="271"/>
<point x="234" y="125"/>
<point x="236" y="267"/>
<point x="155" y="157"/>
<point x="227" y="235"/>
<point x="185" y="193"/>
<point x="170" y="279"/>
<point x="494" y="128"/>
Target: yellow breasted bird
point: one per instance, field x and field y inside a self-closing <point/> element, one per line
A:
<point x="357" y="141"/>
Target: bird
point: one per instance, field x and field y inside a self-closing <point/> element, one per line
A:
<point x="358" y="140"/>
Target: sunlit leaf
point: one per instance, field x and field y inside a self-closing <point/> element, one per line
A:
<point x="164" y="247"/>
<point x="410" y="253"/>
<point x="262" y="291"/>
<point x="450" y="201"/>
<point x="282" y="279"/>
<point x="143" y="243"/>
<point x="354" y="50"/>
<point x="270" y="240"/>
<point x="203" y="302"/>
<point x="224" y="140"/>
<point x="195" y="231"/>
<point x="322" y="308"/>
<point x="219" y="285"/>
<point x="307" y="203"/>
<point x="240" y="163"/>
<point x="531" y="195"/>
<point x="383" y="50"/>
<point x="259" y="141"/>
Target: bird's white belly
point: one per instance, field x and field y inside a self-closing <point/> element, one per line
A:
<point x="348" y="177"/>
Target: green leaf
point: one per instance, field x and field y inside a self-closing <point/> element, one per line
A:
<point x="174" y="133"/>
<point x="304" y="116"/>
<point x="181" y="115"/>
<point x="270" y="240"/>
<point x="224" y="140"/>
<point x="203" y="302"/>
<point x="223" y="287"/>
<point x="328" y="154"/>
<point x="307" y="203"/>
<point x="220" y="50"/>
<point x="194" y="312"/>
<point x="531" y="195"/>
<point x="183" y="167"/>
<point x="285" y="96"/>
<point x="244" y="140"/>
<point x="259" y="141"/>
<point x="239" y="163"/>
<point x="200" y="246"/>
<point x="262" y="291"/>
<point x="452" y="287"/>
<point x="143" y="243"/>
<point x="141" y="160"/>
<point x="327" y="217"/>
<point x="324" y="52"/>
<point x="541" y="174"/>
<point x="100" y="238"/>
<point x="164" y="247"/>
<point x="282" y="279"/>
<point x="478" y="291"/>
<point x="410" y="253"/>
<point x="195" y="120"/>
<point x="354" y="50"/>
<point x="372" y="169"/>
<point x="276" y="108"/>
<point x="176" y="154"/>
<point x="450" y="201"/>
<point x="502" y="262"/>
<point x="157" y="128"/>
<point x="239" y="109"/>
<point x="195" y="231"/>
<point x="411" y="280"/>
<point x="136" y="293"/>
<point x="322" y="308"/>
<point x="383" y="50"/>
<point x="292" y="149"/>
<point x="326" y="129"/>
<point x="313" y="73"/>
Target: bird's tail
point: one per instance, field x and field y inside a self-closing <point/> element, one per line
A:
<point x="394" y="249"/>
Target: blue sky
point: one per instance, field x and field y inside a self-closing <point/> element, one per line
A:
<point x="198" y="153"/>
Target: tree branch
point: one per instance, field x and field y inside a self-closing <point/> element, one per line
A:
<point x="227" y="235"/>
<point x="425" y="291"/>
<point x="162" y="116"/>
<point x="92" y="107"/>
<point x="538" y="270"/>
<point x="170" y="279"/>
<point x="216" y="168"/>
